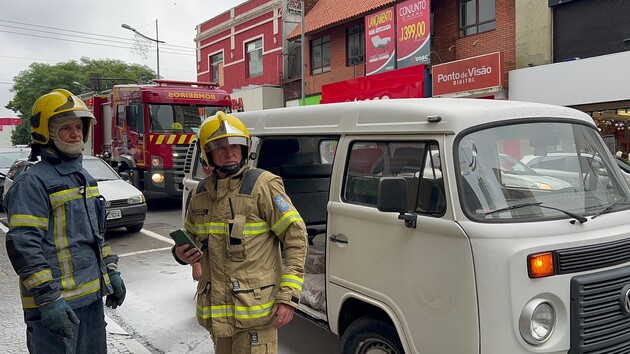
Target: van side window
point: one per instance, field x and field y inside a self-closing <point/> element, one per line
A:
<point x="418" y="162"/>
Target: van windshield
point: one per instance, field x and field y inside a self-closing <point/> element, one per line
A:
<point x="529" y="171"/>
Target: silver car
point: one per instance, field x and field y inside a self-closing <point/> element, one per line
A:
<point x="125" y="204"/>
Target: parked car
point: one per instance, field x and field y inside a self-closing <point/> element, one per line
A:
<point x="125" y="204"/>
<point x="566" y="166"/>
<point x="7" y="158"/>
<point x="514" y="173"/>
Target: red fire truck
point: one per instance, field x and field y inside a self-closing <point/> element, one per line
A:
<point x="145" y="130"/>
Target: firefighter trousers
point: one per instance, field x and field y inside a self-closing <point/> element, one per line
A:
<point x="249" y="341"/>
<point x="89" y="334"/>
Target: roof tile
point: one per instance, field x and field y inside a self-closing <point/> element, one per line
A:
<point x="327" y="12"/>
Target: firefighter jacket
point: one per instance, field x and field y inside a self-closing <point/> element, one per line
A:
<point x="243" y="275"/>
<point x="55" y="239"/>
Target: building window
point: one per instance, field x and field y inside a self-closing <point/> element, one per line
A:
<point x="216" y="64"/>
<point x="476" y="16"/>
<point x="355" y="45"/>
<point x="320" y="55"/>
<point x="254" y="58"/>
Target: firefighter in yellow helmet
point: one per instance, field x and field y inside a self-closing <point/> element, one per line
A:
<point x="55" y="239"/>
<point x="240" y="216"/>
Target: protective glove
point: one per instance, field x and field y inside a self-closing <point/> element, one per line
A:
<point x="58" y="317"/>
<point x="118" y="296"/>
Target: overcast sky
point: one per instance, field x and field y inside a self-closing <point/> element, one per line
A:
<point x="57" y="31"/>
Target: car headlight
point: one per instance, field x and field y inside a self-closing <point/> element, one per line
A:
<point x="136" y="199"/>
<point x="537" y="321"/>
<point x="543" y="186"/>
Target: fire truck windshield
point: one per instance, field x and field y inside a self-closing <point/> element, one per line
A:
<point x="165" y="118"/>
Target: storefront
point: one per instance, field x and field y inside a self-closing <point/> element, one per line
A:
<point x="597" y="86"/>
<point x="478" y="77"/>
<point x="401" y="83"/>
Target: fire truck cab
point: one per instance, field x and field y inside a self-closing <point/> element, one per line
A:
<point x="145" y="130"/>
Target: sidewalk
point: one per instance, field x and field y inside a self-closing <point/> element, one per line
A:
<point x="13" y="339"/>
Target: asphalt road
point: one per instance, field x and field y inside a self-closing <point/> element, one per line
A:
<point x="159" y="310"/>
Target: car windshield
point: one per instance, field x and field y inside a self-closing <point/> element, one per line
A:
<point x="530" y="171"/>
<point x="8" y="158"/>
<point x="99" y="170"/>
<point x="165" y="118"/>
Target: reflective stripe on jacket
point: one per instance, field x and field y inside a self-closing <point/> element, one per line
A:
<point x="55" y="239"/>
<point x="243" y="275"/>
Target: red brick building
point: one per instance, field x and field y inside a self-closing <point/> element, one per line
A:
<point x="337" y="45"/>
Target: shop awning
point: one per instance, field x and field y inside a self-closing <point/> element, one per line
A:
<point x="328" y="12"/>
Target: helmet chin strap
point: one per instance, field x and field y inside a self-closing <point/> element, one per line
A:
<point x="231" y="169"/>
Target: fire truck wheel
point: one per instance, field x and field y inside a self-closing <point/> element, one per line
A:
<point x="136" y="227"/>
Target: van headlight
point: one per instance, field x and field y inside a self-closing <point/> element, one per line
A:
<point x="537" y="321"/>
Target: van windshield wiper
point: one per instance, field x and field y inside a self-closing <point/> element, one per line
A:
<point x="609" y="207"/>
<point x="576" y="216"/>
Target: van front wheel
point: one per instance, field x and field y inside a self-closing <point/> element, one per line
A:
<point x="371" y="335"/>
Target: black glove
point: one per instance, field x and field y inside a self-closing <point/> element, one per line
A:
<point x="118" y="296"/>
<point x="58" y="317"/>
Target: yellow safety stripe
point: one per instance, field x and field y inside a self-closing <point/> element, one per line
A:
<point x="59" y="198"/>
<point x="238" y="312"/>
<point x="82" y="290"/>
<point x="68" y="294"/>
<point x="221" y="228"/>
<point x="285" y="221"/>
<point x="107" y="251"/>
<point x="38" y="278"/>
<point x="170" y="139"/>
<point x="63" y="250"/>
<point x="255" y="228"/>
<point x="28" y="221"/>
<point x="291" y="281"/>
<point x="92" y="192"/>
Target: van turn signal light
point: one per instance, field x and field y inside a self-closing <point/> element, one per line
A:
<point x="540" y="265"/>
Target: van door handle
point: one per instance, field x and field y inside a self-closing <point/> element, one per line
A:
<point x="337" y="239"/>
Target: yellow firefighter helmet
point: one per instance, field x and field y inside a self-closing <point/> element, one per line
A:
<point x="219" y="130"/>
<point x="56" y="104"/>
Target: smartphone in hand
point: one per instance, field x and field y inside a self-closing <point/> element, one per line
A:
<point x="181" y="237"/>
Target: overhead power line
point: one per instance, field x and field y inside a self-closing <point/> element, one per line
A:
<point x="84" y="42"/>
<point x="91" y="36"/>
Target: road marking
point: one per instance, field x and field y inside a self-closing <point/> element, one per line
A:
<point x="145" y="251"/>
<point x="157" y="236"/>
<point x="3" y="227"/>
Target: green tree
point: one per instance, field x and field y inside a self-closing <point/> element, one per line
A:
<point x="40" y="79"/>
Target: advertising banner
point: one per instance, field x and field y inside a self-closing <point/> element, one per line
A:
<point x="471" y="75"/>
<point x="401" y="83"/>
<point x="380" y="48"/>
<point x="413" y="31"/>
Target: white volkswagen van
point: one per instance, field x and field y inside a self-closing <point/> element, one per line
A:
<point x="427" y="234"/>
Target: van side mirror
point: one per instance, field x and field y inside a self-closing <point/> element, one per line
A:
<point x="392" y="197"/>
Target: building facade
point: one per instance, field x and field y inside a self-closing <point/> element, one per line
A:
<point x="259" y="43"/>
<point x="7" y="126"/>
<point x="242" y="50"/>
<point x="465" y="48"/>
<point x="587" y="68"/>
